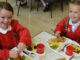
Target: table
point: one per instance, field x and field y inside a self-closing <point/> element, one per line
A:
<point x="49" y="54"/>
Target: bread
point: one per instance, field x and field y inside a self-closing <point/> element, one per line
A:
<point x="62" y="40"/>
<point x="18" y="58"/>
<point x="61" y="59"/>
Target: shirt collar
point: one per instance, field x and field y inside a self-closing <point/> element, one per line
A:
<point x="70" y="22"/>
<point x="74" y="26"/>
<point x="6" y="30"/>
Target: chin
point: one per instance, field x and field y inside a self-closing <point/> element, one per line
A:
<point x="74" y="21"/>
<point x="5" y="27"/>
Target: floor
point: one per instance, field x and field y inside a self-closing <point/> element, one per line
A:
<point x="39" y="21"/>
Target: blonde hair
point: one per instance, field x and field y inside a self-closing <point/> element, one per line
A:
<point x="76" y="2"/>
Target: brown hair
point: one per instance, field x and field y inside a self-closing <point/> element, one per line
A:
<point x="7" y="6"/>
<point x="76" y="2"/>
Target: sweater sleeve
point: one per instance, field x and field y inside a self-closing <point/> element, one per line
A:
<point x="61" y="26"/>
<point x="24" y="35"/>
<point x="4" y="54"/>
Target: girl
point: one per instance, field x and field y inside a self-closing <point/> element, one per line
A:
<point x="70" y="26"/>
<point x="11" y="33"/>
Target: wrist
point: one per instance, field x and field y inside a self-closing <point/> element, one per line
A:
<point x="58" y="32"/>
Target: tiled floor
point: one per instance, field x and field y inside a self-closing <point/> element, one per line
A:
<point x="38" y="21"/>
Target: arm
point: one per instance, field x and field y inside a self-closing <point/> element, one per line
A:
<point x="60" y="27"/>
<point x="4" y="54"/>
<point x="24" y="35"/>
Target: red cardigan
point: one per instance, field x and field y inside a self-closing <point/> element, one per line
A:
<point x="61" y="26"/>
<point x="12" y="38"/>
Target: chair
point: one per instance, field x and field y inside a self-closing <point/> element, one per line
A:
<point x="38" y="3"/>
<point x="61" y="4"/>
<point x="16" y="5"/>
<point x="20" y="6"/>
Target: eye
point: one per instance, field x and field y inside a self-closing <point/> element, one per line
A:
<point x="75" y="12"/>
<point x="2" y="17"/>
<point x="70" y="11"/>
<point x="9" y="17"/>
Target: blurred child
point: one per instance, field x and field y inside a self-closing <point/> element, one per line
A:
<point x="23" y="2"/>
<point x="12" y="34"/>
<point x="46" y="5"/>
<point x="70" y="26"/>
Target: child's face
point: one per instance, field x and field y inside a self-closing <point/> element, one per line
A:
<point x="74" y="13"/>
<point x="5" y="18"/>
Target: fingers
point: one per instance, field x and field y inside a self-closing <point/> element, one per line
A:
<point x="57" y="34"/>
<point x="13" y="54"/>
<point x="21" y="47"/>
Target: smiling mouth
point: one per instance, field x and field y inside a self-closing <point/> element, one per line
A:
<point x="73" y="17"/>
<point x="4" y="24"/>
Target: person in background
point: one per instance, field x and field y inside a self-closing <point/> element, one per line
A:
<point x="46" y="5"/>
<point x="70" y="25"/>
<point x="12" y="34"/>
<point x="23" y="2"/>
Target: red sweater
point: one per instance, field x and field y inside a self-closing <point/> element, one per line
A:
<point x="61" y="26"/>
<point x="12" y="38"/>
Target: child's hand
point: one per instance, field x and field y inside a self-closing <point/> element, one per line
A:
<point x="57" y="34"/>
<point x="13" y="54"/>
<point x="21" y="47"/>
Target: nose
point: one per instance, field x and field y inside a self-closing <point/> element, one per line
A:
<point x="6" y="20"/>
<point x="72" y="14"/>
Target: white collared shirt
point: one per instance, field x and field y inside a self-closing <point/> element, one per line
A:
<point x="74" y="26"/>
<point x="6" y="30"/>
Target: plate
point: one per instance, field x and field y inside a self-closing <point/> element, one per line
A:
<point x="61" y="49"/>
<point x="57" y="43"/>
<point x="27" y="54"/>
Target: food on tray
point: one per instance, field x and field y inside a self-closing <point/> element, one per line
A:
<point x="23" y="57"/>
<point x="76" y="48"/>
<point x="35" y="47"/>
<point x="61" y="59"/>
<point x="60" y="39"/>
<point x="54" y="45"/>
<point x="31" y="47"/>
<point x="15" y="59"/>
<point x="11" y="59"/>
<point x="18" y="58"/>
